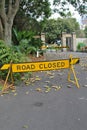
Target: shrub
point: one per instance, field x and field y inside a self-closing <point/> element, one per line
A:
<point x="8" y="54"/>
<point x="80" y="46"/>
<point x="26" y="41"/>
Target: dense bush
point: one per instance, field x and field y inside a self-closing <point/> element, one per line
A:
<point x="26" y="41"/>
<point x="8" y="54"/>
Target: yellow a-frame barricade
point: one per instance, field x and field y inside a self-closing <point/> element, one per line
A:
<point x="68" y="64"/>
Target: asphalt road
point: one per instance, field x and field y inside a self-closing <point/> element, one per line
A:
<point x="32" y="107"/>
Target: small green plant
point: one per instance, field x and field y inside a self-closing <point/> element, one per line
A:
<point x="31" y="50"/>
<point x="1" y="86"/>
<point x="80" y="46"/>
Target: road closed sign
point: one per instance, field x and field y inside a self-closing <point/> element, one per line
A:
<point x="40" y="66"/>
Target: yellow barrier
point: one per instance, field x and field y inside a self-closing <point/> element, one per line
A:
<point x="54" y="47"/>
<point x="42" y="66"/>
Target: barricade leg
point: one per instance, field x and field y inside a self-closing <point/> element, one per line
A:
<point x="74" y="74"/>
<point x="5" y="87"/>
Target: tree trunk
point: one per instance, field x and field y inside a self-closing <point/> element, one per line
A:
<point x="6" y="31"/>
<point x="7" y="35"/>
<point x="1" y="30"/>
<point x="6" y="19"/>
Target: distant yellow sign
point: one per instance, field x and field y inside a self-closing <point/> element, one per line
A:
<point x="40" y="66"/>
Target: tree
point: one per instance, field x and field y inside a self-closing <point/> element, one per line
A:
<point x="79" y="5"/>
<point x="8" y="10"/>
<point x="54" y="28"/>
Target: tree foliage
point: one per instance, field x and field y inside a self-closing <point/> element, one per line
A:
<point x="29" y="12"/>
<point x="54" y="28"/>
<point x="79" y="5"/>
<point x="35" y="8"/>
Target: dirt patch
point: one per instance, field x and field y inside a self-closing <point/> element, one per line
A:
<point x="34" y="58"/>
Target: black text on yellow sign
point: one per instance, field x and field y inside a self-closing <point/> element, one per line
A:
<point x="40" y="66"/>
